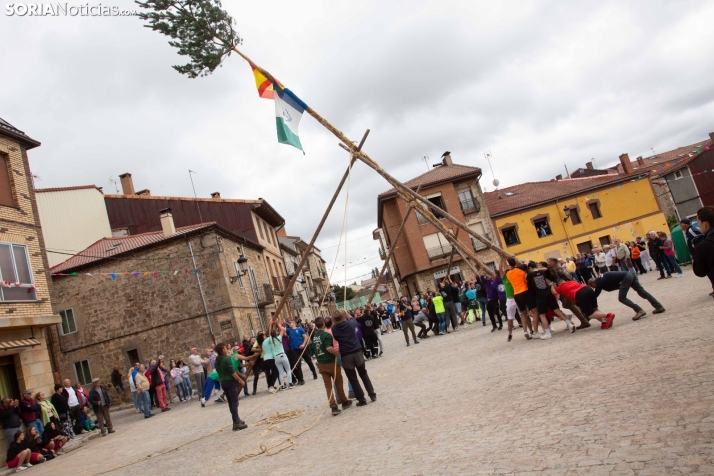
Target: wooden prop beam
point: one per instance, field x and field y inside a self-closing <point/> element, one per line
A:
<point x="451" y="258"/>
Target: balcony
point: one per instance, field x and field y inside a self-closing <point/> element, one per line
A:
<point x="470" y="206"/>
<point x="439" y="252"/>
<point x="265" y="295"/>
<point x="280" y="284"/>
<point x="319" y="275"/>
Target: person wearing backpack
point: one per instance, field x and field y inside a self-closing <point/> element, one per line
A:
<point x="703" y="258"/>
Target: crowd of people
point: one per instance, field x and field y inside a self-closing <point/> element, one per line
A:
<point x="50" y="423"/>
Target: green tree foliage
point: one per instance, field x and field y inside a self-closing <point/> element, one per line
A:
<point x="199" y="29"/>
<point x="672" y="222"/>
<point x="340" y="292"/>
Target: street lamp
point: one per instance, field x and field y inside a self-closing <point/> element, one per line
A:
<point x="566" y="210"/>
<point x="242" y="267"/>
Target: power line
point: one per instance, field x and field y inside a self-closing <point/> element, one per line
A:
<point x="351" y="241"/>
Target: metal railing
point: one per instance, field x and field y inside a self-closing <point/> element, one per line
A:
<point x="439" y="252"/>
<point x="265" y="295"/>
<point x="470" y="206"/>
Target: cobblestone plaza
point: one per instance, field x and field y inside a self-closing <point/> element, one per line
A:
<point x="636" y="399"/>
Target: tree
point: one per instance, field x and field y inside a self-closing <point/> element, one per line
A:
<point x="200" y="29"/>
<point x="672" y="222"/>
<point x="340" y="292"/>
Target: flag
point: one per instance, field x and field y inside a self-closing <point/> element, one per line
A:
<point x="288" y="111"/>
<point x="265" y="87"/>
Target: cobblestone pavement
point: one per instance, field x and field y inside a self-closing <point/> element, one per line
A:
<point x="636" y="399"/>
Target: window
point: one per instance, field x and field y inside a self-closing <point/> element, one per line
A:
<point x="436" y="246"/>
<point x="677" y="174"/>
<point x="69" y="325"/>
<point x="439" y="202"/>
<point x="604" y="240"/>
<point x="575" y="216"/>
<point x="6" y="196"/>
<point x="260" y="227"/>
<point x="510" y="236"/>
<point x="491" y="265"/>
<point x="594" y="210"/>
<point x="542" y="227"/>
<point x="133" y="356"/>
<point x="479" y="229"/>
<point x="81" y="370"/>
<point x="421" y="219"/>
<point x="468" y="203"/>
<point x="15" y="269"/>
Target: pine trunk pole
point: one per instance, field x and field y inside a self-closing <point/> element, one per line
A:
<point x="451" y="258"/>
<point x="305" y="255"/>
<point x="372" y="164"/>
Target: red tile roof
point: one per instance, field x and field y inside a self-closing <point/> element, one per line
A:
<point x="443" y="173"/>
<point x="531" y="194"/>
<point x="117" y="245"/>
<point x="668" y="156"/>
<point x="63" y="189"/>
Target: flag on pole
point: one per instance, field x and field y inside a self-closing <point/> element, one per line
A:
<point x="265" y="87"/>
<point x="288" y="111"/>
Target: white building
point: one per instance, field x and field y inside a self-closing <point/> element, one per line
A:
<point x="72" y="219"/>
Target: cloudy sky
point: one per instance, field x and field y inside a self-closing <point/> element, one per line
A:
<point x="540" y="84"/>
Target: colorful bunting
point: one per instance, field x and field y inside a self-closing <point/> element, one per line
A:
<point x="113" y="275"/>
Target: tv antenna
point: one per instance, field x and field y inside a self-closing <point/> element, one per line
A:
<point x="114" y="181"/>
<point x="190" y="172"/>
<point x="426" y="160"/>
<point x="488" y="156"/>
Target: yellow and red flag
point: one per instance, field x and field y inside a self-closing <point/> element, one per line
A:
<point x="264" y="85"/>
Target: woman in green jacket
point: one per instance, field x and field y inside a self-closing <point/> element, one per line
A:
<point x="48" y="412"/>
<point x="231" y="382"/>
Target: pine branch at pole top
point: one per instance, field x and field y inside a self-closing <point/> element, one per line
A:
<point x="392" y="248"/>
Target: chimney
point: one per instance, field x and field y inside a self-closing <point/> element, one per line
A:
<point x="640" y="161"/>
<point x="216" y="195"/>
<point x="167" y="222"/>
<point x="559" y="177"/>
<point x="626" y="164"/>
<point x="711" y="137"/>
<point x="589" y="165"/>
<point x="146" y="192"/>
<point x="127" y="184"/>
<point x="446" y="159"/>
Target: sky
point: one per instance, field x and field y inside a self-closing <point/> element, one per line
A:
<point x="539" y="84"/>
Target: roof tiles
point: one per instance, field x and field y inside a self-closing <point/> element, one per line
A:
<point x="439" y="174"/>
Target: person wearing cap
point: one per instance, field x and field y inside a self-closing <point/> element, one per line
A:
<point x="99" y="398"/>
<point x="30" y="412"/>
<point x="690" y="232"/>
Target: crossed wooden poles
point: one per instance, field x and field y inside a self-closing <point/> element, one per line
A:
<point x="415" y="201"/>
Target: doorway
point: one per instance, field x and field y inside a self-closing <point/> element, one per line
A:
<point x="133" y="356"/>
<point x="585" y="247"/>
<point x="8" y="378"/>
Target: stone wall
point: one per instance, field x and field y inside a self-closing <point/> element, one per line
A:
<point x="154" y="315"/>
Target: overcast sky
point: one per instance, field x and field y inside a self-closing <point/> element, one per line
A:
<point x="539" y="84"/>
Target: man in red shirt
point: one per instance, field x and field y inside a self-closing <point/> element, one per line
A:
<point x="584" y="296"/>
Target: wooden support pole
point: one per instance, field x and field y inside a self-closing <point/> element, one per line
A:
<point x="393" y="247"/>
<point x="451" y="258"/>
<point x="373" y="165"/>
<point x="303" y="260"/>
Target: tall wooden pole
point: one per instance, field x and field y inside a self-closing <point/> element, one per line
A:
<point x="372" y="164"/>
<point x="451" y="258"/>
<point x="304" y="257"/>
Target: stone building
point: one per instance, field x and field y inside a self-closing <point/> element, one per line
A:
<point x="128" y="299"/>
<point x="422" y="253"/>
<point x="316" y="281"/>
<point x="25" y="306"/>
<point x="137" y="212"/>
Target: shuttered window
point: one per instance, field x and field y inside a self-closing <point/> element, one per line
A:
<point x="7" y="198"/>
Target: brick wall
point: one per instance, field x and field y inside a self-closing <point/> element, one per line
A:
<point x="162" y="315"/>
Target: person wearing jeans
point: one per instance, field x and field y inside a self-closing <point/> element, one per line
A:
<point x="623" y="282"/>
<point x="353" y="361"/>
<point x="195" y="364"/>
<point x="405" y="309"/>
<point x="142" y="391"/>
<point x="669" y="257"/>
<point x="275" y="355"/>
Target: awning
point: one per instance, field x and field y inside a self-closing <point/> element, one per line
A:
<point x="18" y="344"/>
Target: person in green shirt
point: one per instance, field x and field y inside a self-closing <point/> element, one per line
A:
<point x="325" y="353"/>
<point x="511" y="306"/>
<point x="231" y="382"/>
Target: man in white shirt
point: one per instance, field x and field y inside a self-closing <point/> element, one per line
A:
<point x="610" y="258"/>
<point x="75" y="409"/>
<point x="195" y="364"/>
<point x="600" y="262"/>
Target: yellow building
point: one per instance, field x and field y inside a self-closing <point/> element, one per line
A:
<point x="559" y="218"/>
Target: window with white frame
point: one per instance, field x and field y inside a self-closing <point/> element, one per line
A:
<point x="69" y="324"/>
<point x="81" y="370"/>
<point x="16" y="273"/>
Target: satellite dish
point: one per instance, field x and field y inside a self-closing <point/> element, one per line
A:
<point x="495" y="182"/>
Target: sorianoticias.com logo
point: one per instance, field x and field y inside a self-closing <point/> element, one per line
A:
<point x="64" y="10"/>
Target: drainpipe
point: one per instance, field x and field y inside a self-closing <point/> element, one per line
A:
<point x="253" y="288"/>
<point x="200" y="288"/>
<point x="562" y="223"/>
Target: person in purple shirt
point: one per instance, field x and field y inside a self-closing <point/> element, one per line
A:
<point x="492" y="305"/>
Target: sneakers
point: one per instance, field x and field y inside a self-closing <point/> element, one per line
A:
<point x="346" y="404"/>
<point x="373" y="398"/>
<point x="608" y="323"/>
<point x="550" y="328"/>
<point x="164" y="410"/>
<point x="241" y="425"/>
<point x="271" y="390"/>
<point x="528" y="336"/>
<point x="416" y="341"/>
<point x="20" y="468"/>
<point x="336" y="411"/>
<point x="546" y="335"/>
<point x="494" y="329"/>
<point x="679" y="275"/>
<point x="640" y="315"/>
<point x="351" y="395"/>
<point x="659" y="310"/>
<point x="203" y="402"/>
<point x="291" y="386"/>
<point x="361" y="404"/>
<point x="28" y="465"/>
<point x="302" y="382"/>
<point x="407" y="343"/>
<point x="571" y="326"/>
<point x="148" y="416"/>
<point x="510" y="337"/>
